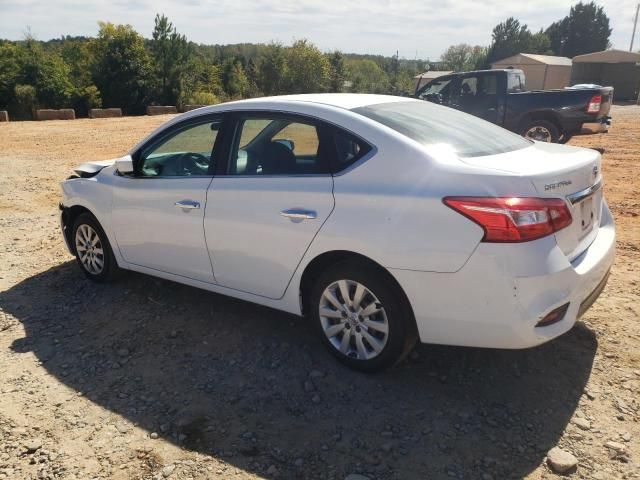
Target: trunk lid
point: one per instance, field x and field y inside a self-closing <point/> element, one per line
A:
<point x="559" y="171"/>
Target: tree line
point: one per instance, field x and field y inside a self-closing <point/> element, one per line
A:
<point x="120" y="68"/>
<point x="585" y="29"/>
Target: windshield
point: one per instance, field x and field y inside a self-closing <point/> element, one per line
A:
<point x="431" y="124"/>
<point x="436" y="86"/>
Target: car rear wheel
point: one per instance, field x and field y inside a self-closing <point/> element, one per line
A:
<point x="92" y="249"/>
<point x="361" y="317"/>
<point x="541" y="131"/>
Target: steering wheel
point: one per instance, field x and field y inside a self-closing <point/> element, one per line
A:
<point x="190" y="162"/>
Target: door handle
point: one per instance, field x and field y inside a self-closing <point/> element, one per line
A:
<point x="187" y="204"/>
<point x="299" y="214"/>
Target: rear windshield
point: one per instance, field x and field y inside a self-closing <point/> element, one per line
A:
<point x="431" y="124"/>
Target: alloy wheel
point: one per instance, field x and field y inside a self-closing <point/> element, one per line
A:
<point x="353" y="320"/>
<point x="89" y="248"/>
<point x="539" y="133"/>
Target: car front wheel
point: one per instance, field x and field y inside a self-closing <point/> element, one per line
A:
<point x="92" y="249"/>
<point x="361" y="317"/>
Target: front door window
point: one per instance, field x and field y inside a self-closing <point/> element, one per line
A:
<point x="186" y="152"/>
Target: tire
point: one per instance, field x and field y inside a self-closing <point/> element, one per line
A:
<point x="367" y="347"/>
<point x="541" y="130"/>
<point x="88" y="236"/>
<point x="565" y="138"/>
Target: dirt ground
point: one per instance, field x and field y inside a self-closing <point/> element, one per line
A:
<point x="145" y="378"/>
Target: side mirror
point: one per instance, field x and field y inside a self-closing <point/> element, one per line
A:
<point x="124" y="165"/>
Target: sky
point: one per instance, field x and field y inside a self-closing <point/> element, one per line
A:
<point x="415" y="28"/>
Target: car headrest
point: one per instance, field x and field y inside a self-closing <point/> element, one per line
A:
<point x="277" y="158"/>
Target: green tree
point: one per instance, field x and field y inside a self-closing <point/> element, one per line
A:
<point x="272" y="70"/>
<point x="336" y="71"/>
<point x="78" y="55"/>
<point x="170" y="51"/>
<point x="585" y="30"/>
<point x="366" y="76"/>
<point x="86" y="98"/>
<point x="394" y="74"/>
<point x="48" y="73"/>
<point x="202" y="98"/>
<point x="508" y="38"/>
<point x="307" y="68"/>
<point x="10" y="63"/>
<point x="234" y="80"/>
<point x="464" y="57"/>
<point x="26" y="101"/>
<point x="122" y="70"/>
<point x="253" y="77"/>
<point x="201" y="79"/>
<point x="540" y="43"/>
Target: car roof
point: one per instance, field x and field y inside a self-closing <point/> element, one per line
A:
<point x="347" y="101"/>
<point x="321" y="104"/>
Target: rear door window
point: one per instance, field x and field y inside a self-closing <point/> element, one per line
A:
<point x="348" y="150"/>
<point x="515" y="83"/>
<point x="277" y="145"/>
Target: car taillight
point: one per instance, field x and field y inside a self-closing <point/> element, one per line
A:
<point x="512" y="219"/>
<point x="594" y="104"/>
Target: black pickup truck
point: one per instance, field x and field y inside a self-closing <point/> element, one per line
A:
<point x="499" y="96"/>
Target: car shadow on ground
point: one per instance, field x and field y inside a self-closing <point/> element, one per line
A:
<point x="254" y="387"/>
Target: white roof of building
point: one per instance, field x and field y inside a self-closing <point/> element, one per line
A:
<point x="533" y="59"/>
<point x="608" y="56"/>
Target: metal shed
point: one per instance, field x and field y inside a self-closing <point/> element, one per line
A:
<point x="615" y="68"/>
<point x="542" y="72"/>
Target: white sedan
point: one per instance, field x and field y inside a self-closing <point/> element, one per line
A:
<point x="384" y="220"/>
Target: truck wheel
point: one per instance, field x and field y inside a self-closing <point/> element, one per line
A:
<point x="541" y="131"/>
<point x="565" y="138"/>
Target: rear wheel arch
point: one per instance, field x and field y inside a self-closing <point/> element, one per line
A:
<point x="328" y="259"/>
<point x="401" y="334"/>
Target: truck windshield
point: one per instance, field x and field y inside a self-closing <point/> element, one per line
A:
<point x="431" y="124"/>
<point x="434" y="87"/>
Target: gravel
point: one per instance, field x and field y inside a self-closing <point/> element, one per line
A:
<point x="123" y="381"/>
<point x="561" y="461"/>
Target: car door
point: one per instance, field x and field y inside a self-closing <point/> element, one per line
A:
<point x="477" y="94"/>
<point x="158" y="212"/>
<point x="266" y="206"/>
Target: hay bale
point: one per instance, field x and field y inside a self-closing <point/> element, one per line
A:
<point x="187" y="108"/>
<point x="50" y="114"/>
<point x="4" y="116"/>
<point x="105" y="112"/>
<point x="161" y="109"/>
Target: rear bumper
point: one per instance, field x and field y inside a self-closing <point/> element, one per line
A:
<point x="497" y="299"/>
<point x="601" y="126"/>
